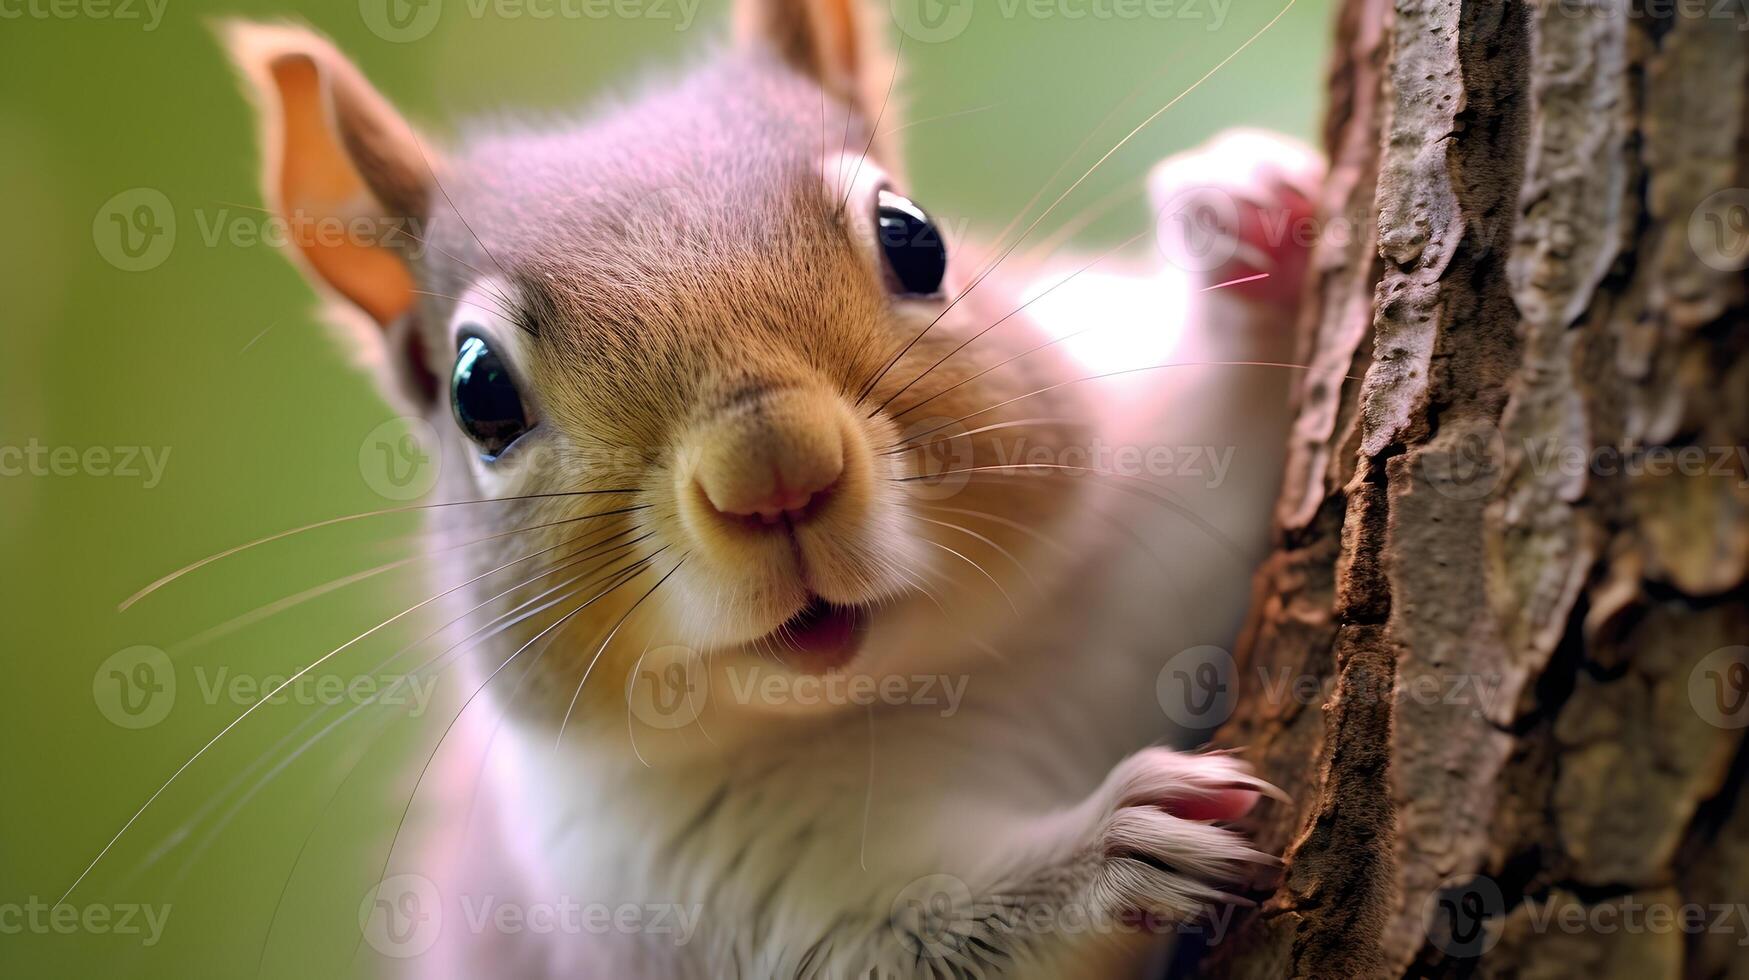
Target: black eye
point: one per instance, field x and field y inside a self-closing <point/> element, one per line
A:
<point x="484" y="397"/>
<point x="911" y="244"/>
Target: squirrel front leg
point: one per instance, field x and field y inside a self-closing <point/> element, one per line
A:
<point x="1095" y="883"/>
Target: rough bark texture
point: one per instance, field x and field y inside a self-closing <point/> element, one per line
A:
<point x="1497" y="657"/>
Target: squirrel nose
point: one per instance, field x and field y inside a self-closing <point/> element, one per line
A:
<point x="782" y="495"/>
<point x="771" y="463"/>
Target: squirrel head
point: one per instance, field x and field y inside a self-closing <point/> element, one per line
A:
<point x="670" y="335"/>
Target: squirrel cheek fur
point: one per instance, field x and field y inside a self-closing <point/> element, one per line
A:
<point x="687" y="292"/>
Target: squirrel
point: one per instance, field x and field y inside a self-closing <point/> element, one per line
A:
<point x="850" y="649"/>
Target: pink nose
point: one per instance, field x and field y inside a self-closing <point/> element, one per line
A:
<point x="782" y="495"/>
<point x="781" y="461"/>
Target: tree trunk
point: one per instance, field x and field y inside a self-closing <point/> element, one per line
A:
<point x="1497" y="657"/>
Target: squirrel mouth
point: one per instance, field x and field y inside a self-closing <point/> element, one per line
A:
<point x="822" y="637"/>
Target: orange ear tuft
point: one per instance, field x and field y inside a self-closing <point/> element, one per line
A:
<point x="342" y="170"/>
<point x="838" y="43"/>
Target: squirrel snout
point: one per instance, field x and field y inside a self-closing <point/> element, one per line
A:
<point x="777" y="459"/>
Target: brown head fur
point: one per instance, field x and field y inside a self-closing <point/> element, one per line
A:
<point x="688" y="291"/>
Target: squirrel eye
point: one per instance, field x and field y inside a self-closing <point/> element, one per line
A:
<point x="484" y="397"/>
<point x="911" y="245"/>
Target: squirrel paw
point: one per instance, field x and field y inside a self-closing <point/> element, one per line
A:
<point x="1240" y="206"/>
<point x="1158" y="849"/>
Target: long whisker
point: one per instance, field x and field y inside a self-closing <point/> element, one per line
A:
<point x="298" y="859"/>
<point x="441" y="662"/>
<point x="944" y="117"/>
<point x="1109" y="374"/>
<point x="1058" y="340"/>
<point x="438" y="746"/>
<point x="982" y="645"/>
<point x="269" y="697"/>
<point x="1012" y="525"/>
<point x="1031" y="469"/>
<point x="435" y="182"/>
<point x="603" y="648"/>
<point x="631" y="733"/>
<point x="1242" y="280"/>
<point x="515" y="694"/>
<point x="850" y="185"/>
<point x="496" y="305"/>
<point x="507" y="309"/>
<point x="998" y="364"/>
<point x="1156" y="114"/>
<point x="1078" y="222"/>
<point x="164" y="580"/>
<point x="231" y="786"/>
<point x="289" y="602"/>
<point x="844" y="144"/>
<point x="908" y="445"/>
<point x="1004" y="552"/>
<point x="981" y="571"/>
<point x="868" y="797"/>
<point x="509" y="305"/>
<point x="1015" y="221"/>
<point x="1004" y="319"/>
<point x="1117" y="525"/>
<point x="1167" y="62"/>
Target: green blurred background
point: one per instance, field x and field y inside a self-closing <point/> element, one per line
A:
<point x="212" y="355"/>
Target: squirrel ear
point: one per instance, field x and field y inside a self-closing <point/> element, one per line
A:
<point x="337" y="158"/>
<point x="838" y="43"/>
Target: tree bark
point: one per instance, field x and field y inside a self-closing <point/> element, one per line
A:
<point x="1497" y="657"/>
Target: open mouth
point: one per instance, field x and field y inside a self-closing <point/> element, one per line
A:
<point x="823" y="637"/>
